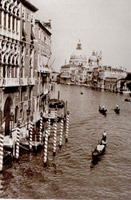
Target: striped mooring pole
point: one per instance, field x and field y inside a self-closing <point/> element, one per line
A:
<point x="54" y="139"/>
<point x="49" y="124"/>
<point x="45" y="148"/>
<point x="18" y="141"/>
<point x="61" y="132"/>
<point x="41" y="126"/>
<point x="67" y="126"/>
<point x="30" y="135"/>
<point x="1" y="148"/>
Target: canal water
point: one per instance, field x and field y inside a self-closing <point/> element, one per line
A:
<point x="70" y="175"/>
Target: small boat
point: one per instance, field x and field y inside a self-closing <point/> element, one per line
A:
<point x="102" y="110"/>
<point x="128" y="100"/>
<point x="61" y="104"/>
<point x="100" y="149"/>
<point x="25" y="145"/>
<point x="117" y="110"/>
<point x="54" y="103"/>
<point x="7" y="160"/>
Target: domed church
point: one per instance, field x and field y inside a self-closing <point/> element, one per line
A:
<point x="78" y="57"/>
<point x="95" y="59"/>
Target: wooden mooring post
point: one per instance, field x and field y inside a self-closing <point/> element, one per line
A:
<point x="1" y="148"/>
<point x="55" y="133"/>
<point x="30" y="135"/>
<point x="45" y="148"/>
<point x="67" y="127"/>
<point x="54" y="138"/>
<point x="49" y="124"/>
<point x="18" y="140"/>
<point x="61" y="132"/>
<point x="41" y="126"/>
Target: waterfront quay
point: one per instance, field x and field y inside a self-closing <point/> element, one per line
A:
<point x="68" y="174"/>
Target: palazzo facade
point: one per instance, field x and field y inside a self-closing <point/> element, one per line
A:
<point x="19" y="70"/>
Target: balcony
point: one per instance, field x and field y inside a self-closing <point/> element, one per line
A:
<point x="23" y="81"/>
<point x="32" y="81"/>
<point x="44" y="69"/>
<point x="10" y="82"/>
<point x="65" y="75"/>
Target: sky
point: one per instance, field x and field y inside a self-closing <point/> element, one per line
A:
<point x="100" y="25"/>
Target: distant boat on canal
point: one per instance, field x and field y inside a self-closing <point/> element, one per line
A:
<point x="117" y="109"/>
<point x="102" y="110"/>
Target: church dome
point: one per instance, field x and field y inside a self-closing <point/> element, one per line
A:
<point x="78" y="57"/>
<point x="93" y="58"/>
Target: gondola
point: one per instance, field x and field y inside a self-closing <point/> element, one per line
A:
<point x="117" y="110"/>
<point x="7" y="159"/>
<point x="55" y="103"/>
<point x="128" y="100"/>
<point x="102" y="110"/>
<point x="99" y="150"/>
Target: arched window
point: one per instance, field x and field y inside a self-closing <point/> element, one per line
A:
<point x="4" y="19"/>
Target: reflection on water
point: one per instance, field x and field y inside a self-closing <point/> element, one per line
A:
<point x="69" y="175"/>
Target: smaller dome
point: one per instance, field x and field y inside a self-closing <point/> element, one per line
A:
<point x="93" y="58"/>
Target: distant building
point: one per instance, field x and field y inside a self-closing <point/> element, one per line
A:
<point x="75" y="71"/>
<point x="78" y="57"/>
<point x="54" y="76"/>
<point x="109" y="77"/>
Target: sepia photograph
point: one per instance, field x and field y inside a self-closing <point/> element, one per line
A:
<point x="65" y="99"/>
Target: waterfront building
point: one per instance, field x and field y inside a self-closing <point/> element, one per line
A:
<point x="42" y="68"/>
<point x="25" y="50"/>
<point x="10" y="20"/>
<point x="109" y="78"/>
<point x="27" y="40"/>
<point x="95" y="74"/>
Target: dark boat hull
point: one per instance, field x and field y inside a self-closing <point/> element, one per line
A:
<point x="7" y="160"/>
<point x="117" y="110"/>
<point x="36" y="146"/>
<point x="102" y="111"/>
<point x="96" y="155"/>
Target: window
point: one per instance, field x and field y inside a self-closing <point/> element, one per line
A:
<point x="0" y="18"/>
<point x="4" y="20"/>
<point x="8" y="72"/>
<point x="9" y="19"/>
<point x="15" y="72"/>
<point x="13" y="23"/>
<point x="16" y="26"/>
<point x="4" y="71"/>
<point x="12" y="72"/>
<point x="27" y="16"/>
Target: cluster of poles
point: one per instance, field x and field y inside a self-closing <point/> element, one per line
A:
<point x="43" y="138"/>
<point x="64" y="125"/>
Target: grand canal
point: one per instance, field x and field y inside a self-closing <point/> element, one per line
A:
<point x="69" y="175"/>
